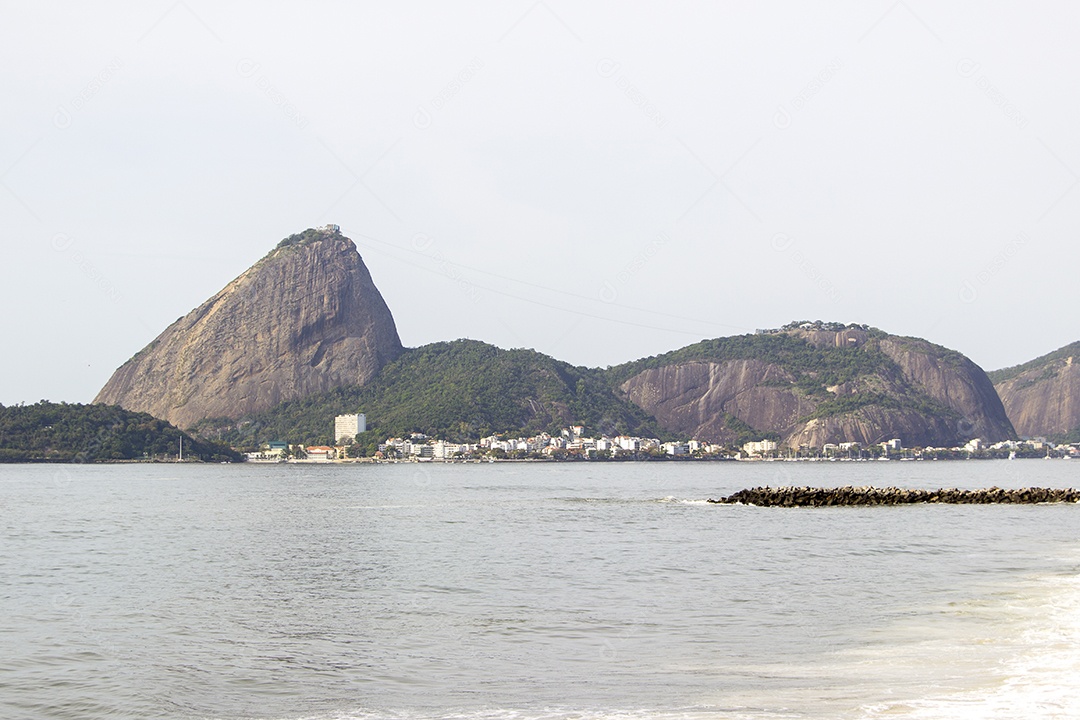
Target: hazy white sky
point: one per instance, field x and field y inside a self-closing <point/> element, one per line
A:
<point x="599" y="181"/>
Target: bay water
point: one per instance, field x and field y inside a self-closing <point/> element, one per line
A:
<point x="531" y="590"/>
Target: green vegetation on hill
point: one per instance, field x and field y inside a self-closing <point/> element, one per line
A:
<point x="298" y="240"/>
<point x="744" y="432"/>
<point x="910" y="399"/>
<point x="847" y="404"/>
<point x="942" y="354"/>
<point x="813" y="368"/>
<point x="458" y="391"/>
<point x="59" y="432"/>
<point x="1000" y="376"/>
<point x="304" y="238"/>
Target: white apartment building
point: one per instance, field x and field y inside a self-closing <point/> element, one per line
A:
<point x="760" y="447"/>
<point x="347" y="427"/>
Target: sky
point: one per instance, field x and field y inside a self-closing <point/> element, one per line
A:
<point x="598" y="181"/>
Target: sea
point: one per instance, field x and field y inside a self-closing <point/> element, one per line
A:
<point x="532" y="591"/>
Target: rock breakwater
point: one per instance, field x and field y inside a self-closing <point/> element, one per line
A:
<point x="843" y="496"/>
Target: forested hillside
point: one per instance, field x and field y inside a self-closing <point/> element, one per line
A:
<point x="459" y="390"/>
<point x="62" y="432"/>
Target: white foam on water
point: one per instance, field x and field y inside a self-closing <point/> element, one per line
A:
<point x="1031" y="670"/>
<point x="559" y="714"/>
<point x="671" y="499"/>
<point x="1007" y="654"/>
<point x="564" y="713"/>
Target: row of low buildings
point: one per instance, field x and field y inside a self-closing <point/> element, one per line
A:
<point x="572" y="442"/>
<point x="765" y="448"/>
<point x="894" y="447"/>
<point x="346" y="429"/>
<point x="277" y="451"/>
<point x="421" y="447"/>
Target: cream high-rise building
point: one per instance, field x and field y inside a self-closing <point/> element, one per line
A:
<point x="347" y="427"/>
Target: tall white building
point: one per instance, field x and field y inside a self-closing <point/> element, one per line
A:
<point x="347" y="427"/>
<point x="760" y="447"/>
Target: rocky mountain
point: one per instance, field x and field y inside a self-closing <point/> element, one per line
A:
<point x="458" y="391"/>
<point x="1042" y="397"/>
<point x="814" y="383"/>
<point x="304" y="335"/>
<point x="305" y="319"/>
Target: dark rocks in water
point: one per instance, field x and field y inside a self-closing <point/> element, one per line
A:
<point x="851" y="496"/>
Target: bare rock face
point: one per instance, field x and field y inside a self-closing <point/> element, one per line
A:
<point x="705" y="398"/>
<point x="1042" y="397"/>
<point x="872" y="425"/>
<point x="698" y="398"/>
<point x="815" y="385"/>
<point x="954" y="381"/>
<point x="850" y="337"/>
<point x="305" y="319"/>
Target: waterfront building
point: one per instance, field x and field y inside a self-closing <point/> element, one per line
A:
<point x="347" y="427"/>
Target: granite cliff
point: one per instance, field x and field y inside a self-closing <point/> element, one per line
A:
<point x="1042" y="397"/>
<point x="305" y="319"/>
<point x="815" y="383"/>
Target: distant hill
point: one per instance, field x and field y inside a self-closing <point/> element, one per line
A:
<point x="304" y="335"/>
<point x="459" y="390"/>
<point x="305" y="319"/>
<point x="809" y="385"/>
<point x="59" y="432"/>
<point x="999" y="376"/>
<point x="1042" y="396"/>
<point x="814" y="383"/>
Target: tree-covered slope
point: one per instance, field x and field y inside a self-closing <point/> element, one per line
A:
<point x="459" y="390"/>
<point x="1000" y="376"/>
<point x="812" y="367"/>
<point x="59" y="432"/>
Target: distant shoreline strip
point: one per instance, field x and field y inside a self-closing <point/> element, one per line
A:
<point x="850" y="496"/>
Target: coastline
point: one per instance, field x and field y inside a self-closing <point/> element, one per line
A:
<point x="493" y="460"/>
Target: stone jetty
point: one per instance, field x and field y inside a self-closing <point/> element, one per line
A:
<point x="843" y="496"/>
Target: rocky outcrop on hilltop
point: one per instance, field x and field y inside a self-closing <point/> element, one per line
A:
<point x="815" y="384"/>
<point x="305" y="319"/>
<point x="1042" y="397"/>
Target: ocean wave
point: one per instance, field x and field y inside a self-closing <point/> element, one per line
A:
<point x="1030" y="668"/>
<point x="565" y="713"/>
<point x="671" y="499"/>
<point x="667" y="500"/>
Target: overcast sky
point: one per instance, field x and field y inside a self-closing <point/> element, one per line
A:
<point x="599" y="181"/>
